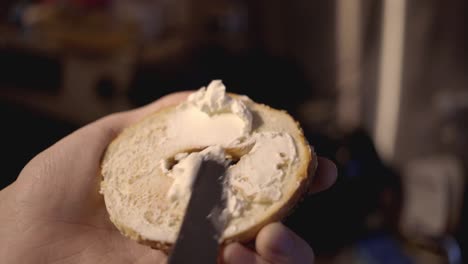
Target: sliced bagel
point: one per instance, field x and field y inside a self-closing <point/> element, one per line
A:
<point x="146" y="182"/>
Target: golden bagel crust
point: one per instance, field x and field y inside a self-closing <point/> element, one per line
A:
<point x="303" y="175"/>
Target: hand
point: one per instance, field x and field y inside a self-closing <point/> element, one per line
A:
<point x="53" y="212"/>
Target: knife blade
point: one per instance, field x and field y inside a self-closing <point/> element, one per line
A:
<point x="201" y="227"/>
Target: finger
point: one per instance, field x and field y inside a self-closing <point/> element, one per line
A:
<point x="325" y="175"/>
<point x="238" y="254"/>
<point x="277" y="244"/>
<point x="116" y="122"/>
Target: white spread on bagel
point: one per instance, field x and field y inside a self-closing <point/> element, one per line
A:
<point x="258" y="175"/>
<point x="185" y="171"/>
<point x="214" y="101"/>
<point x="209" y="117"/>
<point x="215" y="122"/>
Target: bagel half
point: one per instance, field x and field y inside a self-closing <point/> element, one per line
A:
<point x="145" y="182"/>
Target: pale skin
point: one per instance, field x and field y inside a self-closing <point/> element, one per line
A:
<point x="53" y="212"/>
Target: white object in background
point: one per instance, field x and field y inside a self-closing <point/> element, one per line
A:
<point x="390" y="72"/>
<point x="348" y="35"/>
<point x="433" y="192"/>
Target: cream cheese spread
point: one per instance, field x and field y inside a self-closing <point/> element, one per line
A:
<point x="213" y="101"/>
<point x="258" y="174"/>
<point x="185" y="171"/>
<point x="216" y="122"/>
<point x="209" y="117"/>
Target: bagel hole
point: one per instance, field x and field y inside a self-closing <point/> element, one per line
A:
<point x="233" y="155"/>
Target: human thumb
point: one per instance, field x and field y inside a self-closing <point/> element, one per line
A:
<point x="279" y="245"/>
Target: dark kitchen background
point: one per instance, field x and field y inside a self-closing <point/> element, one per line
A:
<point x="380" y="87"/>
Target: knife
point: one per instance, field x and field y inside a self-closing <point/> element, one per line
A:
<point x="202" y="225"/>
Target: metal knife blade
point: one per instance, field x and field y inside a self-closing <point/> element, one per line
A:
<point x="197" y="241"/>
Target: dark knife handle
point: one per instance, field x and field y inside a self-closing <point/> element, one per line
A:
<point x="197" y="241"/>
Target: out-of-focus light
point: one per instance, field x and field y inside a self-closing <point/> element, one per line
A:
<point x="390" y="72"/>
<point x="348" y="35"/>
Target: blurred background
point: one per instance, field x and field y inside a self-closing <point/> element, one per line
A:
<point x="380" y="87"/>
